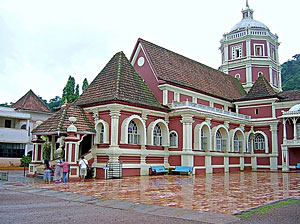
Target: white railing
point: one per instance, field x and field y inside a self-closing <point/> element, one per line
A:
<point x="249" y="32"/>
<point x="175" y="105"/>
<point x="13" y="135"/>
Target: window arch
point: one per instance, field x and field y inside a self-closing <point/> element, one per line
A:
<point x="237" y="143"/>
<point x="157" y="135"/>
<point x="259" y="142"/>
<point x="101" y="134"/>
<point x="133" y="136"/>
<point x="219" y="141"/>
<point x="23" y="126"/>
<point x="173" y="139"/>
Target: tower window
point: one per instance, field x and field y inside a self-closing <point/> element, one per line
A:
<point x="259" y="74"/>
<point x="256" y="111"/>
<point x="259" y="50"/>
<point x="236" y="51"/>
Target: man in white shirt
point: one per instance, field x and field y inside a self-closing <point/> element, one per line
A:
<point x="83" y="165"/>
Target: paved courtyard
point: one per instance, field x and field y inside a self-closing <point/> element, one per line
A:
<point x="219" y="193"/>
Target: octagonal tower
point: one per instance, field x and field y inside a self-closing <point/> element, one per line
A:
<point x="249" y="50"/>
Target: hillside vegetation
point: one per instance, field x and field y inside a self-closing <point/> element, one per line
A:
<point x="290" y="73"/>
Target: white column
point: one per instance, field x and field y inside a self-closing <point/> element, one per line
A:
<point x="284" y="130"/>
<point x="248" y="48"/>
<point x="248" y="75"/>
<point x="226" y="164"/>
<point x="254" y="163"/>
<point x="285" y="158"/>
<point x="242" y="163"/>
<point x="165" y="97"/>
<point x="295" y="129"/>
<point x="187" y="159"/>
<point x="271" y="74"/>
<point x="114" y="126"/>
<point x="208" y="164"/>
<point x="274" y="158"/>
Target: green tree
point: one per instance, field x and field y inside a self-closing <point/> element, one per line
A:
<point x="54" y="103"/>
<point x="85" y="85"/>
<point x="6" y="104"/>
<point x="69" y="91"/>
<point x="76" y="95"/>
<point x="291" y="73"/>
<point x="25" y="160"/>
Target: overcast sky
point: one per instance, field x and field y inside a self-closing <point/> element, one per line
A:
<point x="42" y="43"/>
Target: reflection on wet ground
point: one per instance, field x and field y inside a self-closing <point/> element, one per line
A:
<point x="222" y="193"/>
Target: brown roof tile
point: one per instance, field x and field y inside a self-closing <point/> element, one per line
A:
<point x="178" y="69"/>
<point x="32" y="102"/>
<point x="260" y="89"/>
<point x="289" y="95"/>
<point x="59" y="122"/>
<point x="118" y="81"/>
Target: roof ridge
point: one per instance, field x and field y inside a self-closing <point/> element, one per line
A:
<point x="185" y="57"/>
<point x="62" y="118"/>
<point x="117" y="93"/>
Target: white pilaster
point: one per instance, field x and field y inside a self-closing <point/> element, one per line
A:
<point x="226" y="164"/>
<point x="254" y="163"/>
<point x="242" y="163"/>
<point x="295" y="129"/>
<point x="165" y="97"/>
<point x="284" y="130"/>
<point x="114" y="116"/>
<point x="187" y="139"/>
<point x="208" y="164"/>
<point x="285" y="158"/>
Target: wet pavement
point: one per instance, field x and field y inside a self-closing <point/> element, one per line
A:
<point x="205" y="198"/>
<point x="228" y="193"/>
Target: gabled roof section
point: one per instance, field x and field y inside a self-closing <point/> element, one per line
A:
<point x="32" y="102"/>
<point x="59" y="122"/>
<point x="177" y="69"/>
<point x="119" y="81"/>
<point x="289" y="95"/>
<point x="260" y="89"/>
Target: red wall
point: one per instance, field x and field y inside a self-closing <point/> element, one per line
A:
<point x="263" y="111"/>
<point x="216" y="160"/>
<point x="154" y="160"/>
<point x="174" y="160"/>
<point x="170" y="96"/>
<point x="203" y="102"/>
<point x="147" y="74"/>
<point x="241" y="71"/>
<point x="234" y="160"/>
<point x="261" y="42"/>
<point x="264" y="70"/>
<point x="130" y="159"/>
<point x="199" y="160"/>
<point x="128" y="172"/>
<point x="176" y="125"/>
<point x="185" y="98"/>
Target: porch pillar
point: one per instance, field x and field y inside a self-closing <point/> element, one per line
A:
<point x="285" y="158"/>
<point x="72" y="149"/>
<point x="284" y="130"/>
<point x="187" y="158"/>
<point x="274" y="157"/>
<point x="295" y="129"/>
<point x="37" y="155"/>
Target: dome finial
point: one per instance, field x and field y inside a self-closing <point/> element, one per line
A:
<point x="247" y="5"/>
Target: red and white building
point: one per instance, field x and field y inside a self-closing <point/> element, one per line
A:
<point x="161" y="108"/>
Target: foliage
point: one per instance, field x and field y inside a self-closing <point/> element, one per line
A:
<point x="85" y="84"/>
<point x="46" y="149"/>
<point x="54" y="103"/>
<point x="6" y="104"/>
<point x="76" y="95"/>
<point x="291" y="73"/>
<point x="264" y="209"/>
<point x="69" y="91"/>
<point x="25" y="160"/>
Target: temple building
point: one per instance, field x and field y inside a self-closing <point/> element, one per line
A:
<point x="161" y="108"/>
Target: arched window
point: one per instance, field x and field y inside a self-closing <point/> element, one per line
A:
<point x="203" y="140"/>
<point x="157" y="137"/>
<point x="133" y="137"/>
<point x="101" y="134"/>
<point x="23" y="126"/>
<point x="259" y="142"/>
<point x="237" y="144"/>
<point x="173" y="139"/>
<point x="219" y="141"/>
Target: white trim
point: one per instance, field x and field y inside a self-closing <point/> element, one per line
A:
<point x="197" y="136"/>
<point x="176" y="146"/>
<point x="140" y="124"/>
<point x="232" y="133"/>
<point x="266" y="141"/>
<point x="164" y="129"/>
<point x="106" y="132"/>
<point x="251" y="102"/>
<point x="214" y="131"/>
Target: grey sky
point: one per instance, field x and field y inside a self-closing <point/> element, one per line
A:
<point x="43" y="42"/>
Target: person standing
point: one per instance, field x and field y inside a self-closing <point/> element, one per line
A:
<point x="57" y="172"/>
<point x="83" y="165"/>
<point x="47" y="172"/>
<point x="65" y="168"/>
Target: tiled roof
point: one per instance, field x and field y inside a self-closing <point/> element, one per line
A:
<point x="59" y="122"/>
<point x="118" y="81"/>
<point x="177" y="69"/>
<point x="32" y="102"/>
<point x="260" y="89"/>
<point x="289" y="95"/>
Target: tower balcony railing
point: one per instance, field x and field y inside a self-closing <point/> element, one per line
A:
<point x="176" y="105"/>
<point x="246" y="32"/>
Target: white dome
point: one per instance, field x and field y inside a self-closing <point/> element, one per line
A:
<point x="249" y="22"/>
<point x="295" y="108"/>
